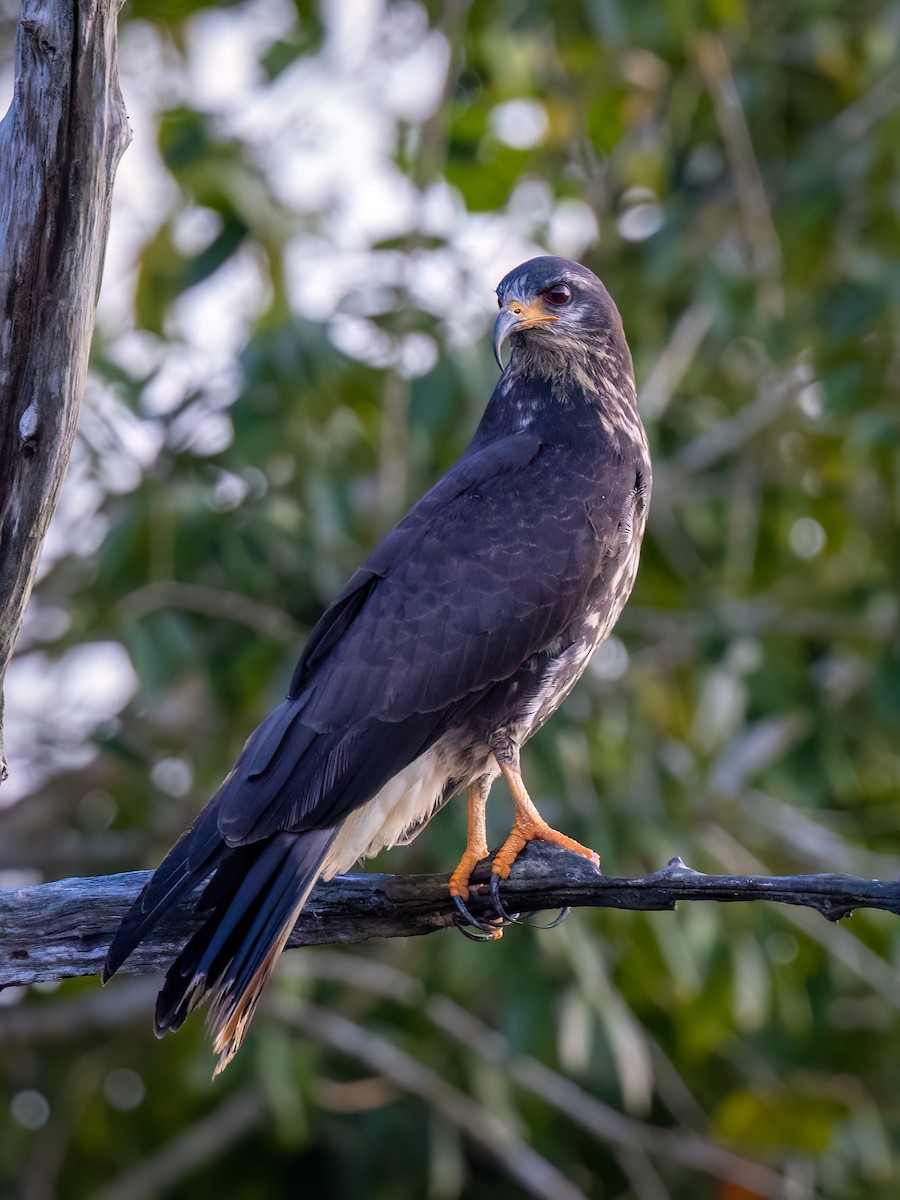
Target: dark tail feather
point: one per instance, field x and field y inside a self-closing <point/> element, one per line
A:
<point x="253" y="901"/>
<point x="227" y="902"/>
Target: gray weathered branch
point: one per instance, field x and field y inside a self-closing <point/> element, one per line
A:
<point x="56" y="930"/>
<point x="60" y="143"/>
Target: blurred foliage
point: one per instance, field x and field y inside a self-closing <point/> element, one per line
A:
<point x="742" y="162"/>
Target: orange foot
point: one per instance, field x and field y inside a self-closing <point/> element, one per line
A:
<point x="529" y="829"/>
<point x="489" y="931"/>
<point x="476" y="850"/>
<point x="459" y="880"/>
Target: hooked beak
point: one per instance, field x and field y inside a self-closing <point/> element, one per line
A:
<point x="514" y="317"/>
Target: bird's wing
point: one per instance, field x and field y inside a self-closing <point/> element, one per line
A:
<point x="496" y="463"/>
<point x="488" y="569"/>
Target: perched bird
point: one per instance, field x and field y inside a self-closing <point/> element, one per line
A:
<point x="453" y="643"/>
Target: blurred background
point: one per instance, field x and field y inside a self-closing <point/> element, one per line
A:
<point x="292" y="345"/>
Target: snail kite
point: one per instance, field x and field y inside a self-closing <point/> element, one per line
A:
<point x="456" y="639"/>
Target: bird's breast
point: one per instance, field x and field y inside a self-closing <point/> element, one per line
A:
<point x="561" y="670"/>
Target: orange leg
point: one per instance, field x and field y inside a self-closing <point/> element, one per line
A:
<point x="476" y="843"/>
<point x="476" y="850"/>
<point x="529" y="824"/>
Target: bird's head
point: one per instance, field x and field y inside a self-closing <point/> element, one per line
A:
<point x="559" y="317"/>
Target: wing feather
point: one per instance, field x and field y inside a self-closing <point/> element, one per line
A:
<point x="487" y="570"/>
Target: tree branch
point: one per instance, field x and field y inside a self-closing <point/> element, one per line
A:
<point x="60" y="144"/>
<point x="56" y="930"/>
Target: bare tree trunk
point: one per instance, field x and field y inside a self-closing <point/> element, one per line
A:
<point x="60" y="144"/>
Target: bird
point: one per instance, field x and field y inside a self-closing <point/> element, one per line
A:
<point x="449" y="647"/>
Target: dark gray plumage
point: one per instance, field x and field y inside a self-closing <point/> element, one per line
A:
<point x="450" y="646"/>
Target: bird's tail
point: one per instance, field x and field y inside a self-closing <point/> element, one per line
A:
<point x="249" y="908"/>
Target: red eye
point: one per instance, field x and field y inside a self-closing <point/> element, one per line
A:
<point x="559" y="293"/>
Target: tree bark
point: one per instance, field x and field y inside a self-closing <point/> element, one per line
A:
<point x="60" y="143"/>
<point x="56" y="930"/>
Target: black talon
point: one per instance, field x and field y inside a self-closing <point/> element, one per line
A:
<point x="467" y="916"/>
<point x="515" y="918"/>
<point x="511" y="918"/>
<point x="563" y="913"/>
<point x="464" y="918"/>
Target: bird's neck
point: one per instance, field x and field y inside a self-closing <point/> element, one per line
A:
<point x="586" y="396"/>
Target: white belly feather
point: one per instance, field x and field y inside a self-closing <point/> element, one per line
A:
<point x="409" y="799"/>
